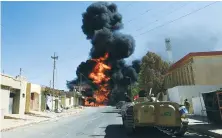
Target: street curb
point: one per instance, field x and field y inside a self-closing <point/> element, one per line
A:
<point x="215" y="135"/>
<point x="32" y="123"/>
<point x="37" y="122"/>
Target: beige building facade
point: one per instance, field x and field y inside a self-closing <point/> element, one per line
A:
<point x="33" y="97"/>
<point x="13" y="94"/>
<point x="200" y="68"/>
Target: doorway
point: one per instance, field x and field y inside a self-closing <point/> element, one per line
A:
<point x="34" y="103"/>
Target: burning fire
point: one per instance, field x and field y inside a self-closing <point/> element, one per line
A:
<point x="99" y="78"/>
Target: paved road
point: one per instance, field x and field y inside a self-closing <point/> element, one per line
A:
<point x="93" y="122"/>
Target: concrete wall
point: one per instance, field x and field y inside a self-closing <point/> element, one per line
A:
<point x="199" y="106"/>
<point x="173" y="95"/>
<point x="7" y="80"/>
<point x="207" y="70"/>
<point x="36" y="88"/>
<point x="63" y="100"/>
<point x="32" y="88"/>
<point x="72" y="101"/>
<point x="67" y="102"/>
<point x="43" y="102"/>
<point x="18" y="85"/>
<point x="179" y="93"/>
<point x="5" y="101"/>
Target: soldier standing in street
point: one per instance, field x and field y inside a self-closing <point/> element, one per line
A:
<point x="187" y="104"/>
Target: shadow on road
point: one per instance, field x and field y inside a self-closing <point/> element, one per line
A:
<point x="117" y="131"/>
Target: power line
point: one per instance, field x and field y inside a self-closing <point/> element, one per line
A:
<point x="177" y="18"/>
<point x="156" y="20"/>
<point x="147" y="11"/>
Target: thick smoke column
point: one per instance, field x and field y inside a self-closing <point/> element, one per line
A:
<point x="100" y="15"/>
<point x="101" y="25"/>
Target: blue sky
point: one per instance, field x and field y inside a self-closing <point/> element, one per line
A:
<point x="33" y="31"/>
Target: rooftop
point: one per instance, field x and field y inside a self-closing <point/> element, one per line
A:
<point x="191" y="55"/>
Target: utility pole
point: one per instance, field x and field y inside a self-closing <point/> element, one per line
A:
<point x="53" y="77"/>
<point x="169" y="49"/>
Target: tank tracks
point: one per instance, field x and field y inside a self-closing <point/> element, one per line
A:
<point x="179" y="131"/>
<point x="128" y="120"/>
<point x="128" y="124"/>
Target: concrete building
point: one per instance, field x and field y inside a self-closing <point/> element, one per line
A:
<point x="193" y="93"/>
<point x="13" y="94"/>
<point x="52" y="98"/>
<point x="192" y="75"/>
<point x="33" y="98"/>
<point x="200" y="68"/>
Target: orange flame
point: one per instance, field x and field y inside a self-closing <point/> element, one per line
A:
<point x="87" y="103"/>
<point x="100" y="79"/>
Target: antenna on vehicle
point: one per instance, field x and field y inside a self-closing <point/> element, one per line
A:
<point x="150" y="91"/>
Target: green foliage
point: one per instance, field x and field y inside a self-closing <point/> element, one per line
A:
<point x="54" y="92"/>
<point x="135" y="89"/>
<point x="152" y="72"/>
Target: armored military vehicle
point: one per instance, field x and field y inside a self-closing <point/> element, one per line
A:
<point x="149" y="111"/>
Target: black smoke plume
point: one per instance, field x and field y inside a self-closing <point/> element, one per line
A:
<point x="101" y="25"/>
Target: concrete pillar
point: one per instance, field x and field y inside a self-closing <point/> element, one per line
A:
<point x="43" y="102"/>
<point x="28" y="98"/>
<point x="23" y="97"/>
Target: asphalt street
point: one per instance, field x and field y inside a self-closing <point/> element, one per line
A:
<point x="93" y="122"/>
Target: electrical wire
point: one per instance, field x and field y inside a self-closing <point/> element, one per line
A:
<point x="156" y="20"/>
<point x="147" y="11"/>
<point x="169" y="22"/>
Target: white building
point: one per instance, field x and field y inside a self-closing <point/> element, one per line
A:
<point x="194" y="95"/>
